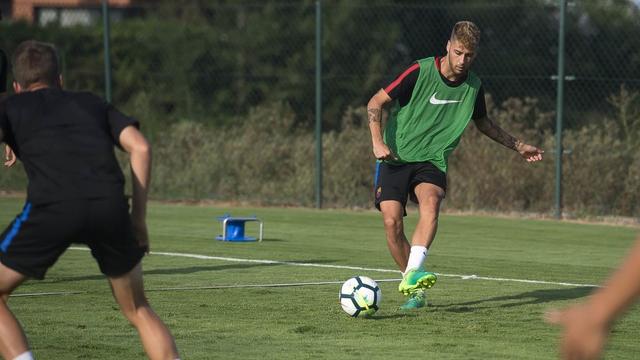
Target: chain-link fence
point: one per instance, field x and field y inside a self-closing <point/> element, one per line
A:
<point x="213" y="63"/>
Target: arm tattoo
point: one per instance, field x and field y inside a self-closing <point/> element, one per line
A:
<point x="493" y="131"/>
<point x="374" y="115"/>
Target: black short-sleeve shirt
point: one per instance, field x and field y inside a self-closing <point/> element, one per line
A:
<point x="401" y="88"/>
<point x="3" y="71"/>
<point x="65" y="141"/>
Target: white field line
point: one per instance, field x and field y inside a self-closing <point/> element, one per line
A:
<point x="346" y="267"/>
<point x="258" y="261"/>
<point x="52" y="293"/>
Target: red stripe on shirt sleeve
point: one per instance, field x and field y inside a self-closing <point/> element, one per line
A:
<point x="397" y="81"/>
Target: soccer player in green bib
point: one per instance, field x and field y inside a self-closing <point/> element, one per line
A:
<point x="433" y="101"/>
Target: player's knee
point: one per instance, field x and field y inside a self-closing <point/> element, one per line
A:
<point x="392" y="224"/>
<point x="5" y="292"/>
<point x="137" y="312"/>
<point x="133" y="306"/>
<point x="429" y="214"/>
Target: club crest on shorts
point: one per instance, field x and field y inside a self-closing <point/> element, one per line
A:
<point x="378" y="192"/>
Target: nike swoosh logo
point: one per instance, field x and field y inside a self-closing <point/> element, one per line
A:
<point x="436" y="101"/>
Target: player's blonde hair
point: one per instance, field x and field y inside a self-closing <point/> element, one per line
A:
<point x="467" y="33"/>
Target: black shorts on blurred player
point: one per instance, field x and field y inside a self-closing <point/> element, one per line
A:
<point x="33" y="242"/>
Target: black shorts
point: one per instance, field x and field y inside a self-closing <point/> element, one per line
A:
<point x="397" y="182"/>
<point x="33" y="242"/>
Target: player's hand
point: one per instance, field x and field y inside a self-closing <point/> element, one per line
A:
<point x="142" y="234"/>
<point x="529" y="152"/>
<point x="582" y="336"/>
<point x="382" y="152"/>
<point x="9" y="156"/>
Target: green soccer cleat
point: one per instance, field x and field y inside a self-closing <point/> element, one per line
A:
<point x="416" y="301"/>
<point x="416" y="279"/>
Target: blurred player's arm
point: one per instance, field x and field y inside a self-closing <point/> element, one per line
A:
<point x="497" y="134"/>
<point x="374" y="113"/>
<point x="622" y="288"/>
<point x="9" y="156"/>
<point x="133" y="142"/>
<point x="586" y="326"/>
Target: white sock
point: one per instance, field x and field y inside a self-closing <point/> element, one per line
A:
<point x="417" y="257"/>
<point x="24" y="356"/>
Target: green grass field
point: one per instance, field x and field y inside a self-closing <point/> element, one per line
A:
<point x="215" y="313"/>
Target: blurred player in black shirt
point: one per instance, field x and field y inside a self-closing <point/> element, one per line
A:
<point x="75" y="194"/>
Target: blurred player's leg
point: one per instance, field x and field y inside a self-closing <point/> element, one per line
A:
<point x="128" y="291"/>
<point x="12" y="339"/>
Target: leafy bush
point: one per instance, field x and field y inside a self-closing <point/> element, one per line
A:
<point x="264" y="159"/>
<point x="486" y="176"/>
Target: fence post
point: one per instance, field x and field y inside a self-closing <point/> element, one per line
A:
<point x="560" y="109"/>
<point x="318" y="129"/>
<point x="107" y="50"/>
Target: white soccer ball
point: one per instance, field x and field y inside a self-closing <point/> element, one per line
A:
<point x="360" y="296"/>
